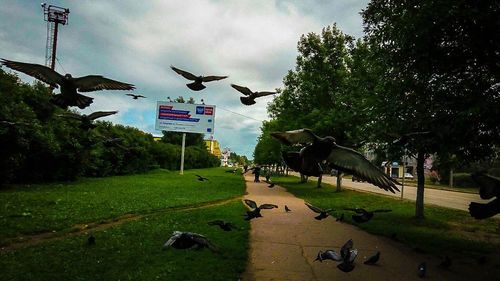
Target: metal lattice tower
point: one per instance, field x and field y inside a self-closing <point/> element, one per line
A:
<point x="54" y="16"/>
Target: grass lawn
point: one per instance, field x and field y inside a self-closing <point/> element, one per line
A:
<point x="443" y="230"/>
<point x="31" y="209"/>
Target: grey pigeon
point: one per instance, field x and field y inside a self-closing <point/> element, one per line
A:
<point x="200" y="178"/>
<point x="323" y="213"/>
<point x="328" y="255"/>
<point x="135" y="96"/>
<point x="250" y="96"/>
<point x="338" y="157"/>
<point x="69" y="85"/>
<point x="226" y="226"/>
<point x="255" y="213"/>
<point x="86" y="120"/>
<point x="198" y="80"/>
<point x="422" y="269"/>
<point x="363" y="215"/>
<point x="373" y="259"/>
<point x="489" y="187"/>
<point x="186" y="240"/>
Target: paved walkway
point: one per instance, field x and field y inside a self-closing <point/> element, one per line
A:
<point x="283" y="246"/>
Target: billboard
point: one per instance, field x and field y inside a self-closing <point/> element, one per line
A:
<point x="185" y="117"/>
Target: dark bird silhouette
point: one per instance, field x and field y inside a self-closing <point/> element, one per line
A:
<point x="363" y="215"/>
<point x="341" y="218"/>
<point x="226" y="226"/>
<point x="69" y="85"/>
<point x="446" y="263"/>
<point x="489" y="187"/>
<point x="200" y="178"/>
<point x="348" y="255"/>
<point x="186" y="240"/>
<point x="87" y="120"/>
<point x="255" y="213"/>
<point x="135" y="96"/>
<point x="328" y="255"/>
<point x="338" y="157"/>
<point x="91" y="240"/>
<point x="250" y="96"/>
<point x="323" y="213"/>
<point x="373" y="259"/>
<point x="422" y="269"/>
<point x="287" y="209"/>
<point x="198" y="80"/>
<point x="271" y="185"/>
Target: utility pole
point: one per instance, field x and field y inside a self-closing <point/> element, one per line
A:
<point x="54" y="16"/>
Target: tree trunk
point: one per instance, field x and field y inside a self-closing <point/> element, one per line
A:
<point x="319" y="181"/>
<point x="419" y="208"/>
<point x="451" y="178"/>
<point x="339" y="181"/>
<point x="303" y="178"/>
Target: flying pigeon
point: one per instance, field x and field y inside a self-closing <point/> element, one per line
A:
<point x="271" y="185"/>
<point x="287" y="209"/>
<point x="135" y="96"/>
<point x="363" y="215"/>
<point x="255" y="213"/>
<point x="328" y="255"/>
<point x="198" y="80"/>
<point x="250" y="96"/>
<point x="86" y="120"/>
<point x="373" y="259"/>
<point x="489" y="187"/>
<point x="226" y="226"/>
<point x="323" y="213"/>
<point x="341" y="218"/>
<point x="422" y="268"/>
<point x="69" y="85"/>
<point x="446" y="263"/>
<point x="338" y="157"/>
<point x="200" y="178"/>
<point x="185" y="240"/>
<point x="348" y="255"/>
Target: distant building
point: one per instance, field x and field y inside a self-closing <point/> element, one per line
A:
<point x="213" y="147"/>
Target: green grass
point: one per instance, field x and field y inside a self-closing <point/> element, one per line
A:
<point x="132" y="251"/>
<point x="443" y="230"/>
<point x="30" y="209"/>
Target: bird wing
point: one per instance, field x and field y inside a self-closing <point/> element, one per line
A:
<point x="353" y="162"/>
<point x="295" y="136"/>
<point x="315" y="209"/>
<point x="92" y="83"/>
<point x="172" y="239"/>
<point x="38" y="71"/>
<point x="243" y="90"/>
<point x="202" y="240"/>
<point x="489" y="186"/>
<point x="268" y="206"/>
<point x="140" y="96"/>
<point x="185" y="74"/>
<point x="251" y="203"/>
<point x="71" y="115"/>
<point x="333" y="255"/>
<point x="99" y="114"/>
<point x="213" y="78"/>
<point x="357" y="210"/>
<point x="346" y="248"/>
<point x="263" y="94"/>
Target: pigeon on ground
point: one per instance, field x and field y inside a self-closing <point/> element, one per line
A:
<point x="348" y="255"/>
<point x="341" y="218"/>
<point x="255" y="213"/>
<point x="422" y="269"/>
<point x="69" y="85"/>
<point x="135" y="96"/>
<point x="226" y="226"/>
<point x="489" y="187"/>
<point x="200" y="178"/>
<point x="185" y="240"/>
<point x="287" y="209"/>
<point x="328" y="255"/>
<point x="323" y="213"/>
<point x="363" y="215"/>
<point x="373" y="259"/>
<point x="338" y="157"/>
<point x="198" y="80"/>
<point x="446" y="263"/>
<point x="271" y="185"/>
<point x="86" y="120"/>
<point x="250" y="96"/>
<point x="91" y="240"/>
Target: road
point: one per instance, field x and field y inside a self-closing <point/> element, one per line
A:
<point x="443" y="198"/>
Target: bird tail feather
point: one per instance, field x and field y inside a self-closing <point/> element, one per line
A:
<point x="196" y="86"/>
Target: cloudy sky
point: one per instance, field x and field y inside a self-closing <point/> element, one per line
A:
<point x="252" y="41"/>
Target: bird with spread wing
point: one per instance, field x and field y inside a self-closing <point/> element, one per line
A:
<point x="198" y="80"/>
<point x="489" y="187"/>
<point x="255" y="213"/>
<point x="70" y="86"/>
<point x="136" y="96"/>
<point x="250" y="96"/>
<point x="317" y="150"/>
<point x="86" y="120"/>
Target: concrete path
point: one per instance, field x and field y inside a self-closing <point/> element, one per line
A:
<point x="283" y="246"/>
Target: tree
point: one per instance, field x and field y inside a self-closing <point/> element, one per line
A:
<point x="438" y="72"/>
